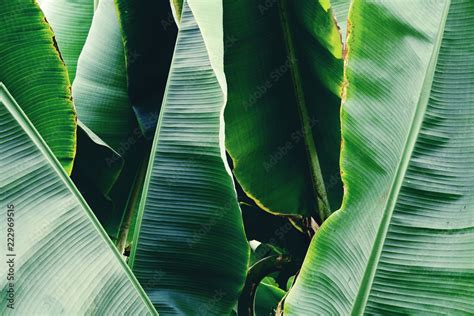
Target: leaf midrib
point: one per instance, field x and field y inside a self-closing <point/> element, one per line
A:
<point x="317" y="181"/>
<point x="22" y="119"/>
<point x="362" y="296"/>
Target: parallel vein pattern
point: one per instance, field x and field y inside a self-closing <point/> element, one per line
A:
<point x="403" y="241"/>
<point x="100" y="88"/>
<point x="64" y="263"/>
<point x="70" y="21"/>
<point x="31" y="67"/>
<point x="190" y="253"/>
<point x="283" y="64"/>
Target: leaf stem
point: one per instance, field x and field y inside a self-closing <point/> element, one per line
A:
<point x="132" y="206"/>
<point x="256" y="273"/>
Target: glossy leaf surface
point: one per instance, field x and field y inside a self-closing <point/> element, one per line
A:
<point x="402" y="242"/>
<point x="283" y="63"/>
<point x="190" y="253"/>
<point x="70" y="21"/>
<point x="63" y="261"/>
<point x="32" y="68"/>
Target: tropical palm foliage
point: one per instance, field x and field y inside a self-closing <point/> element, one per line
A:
<point x="194" y="157"/>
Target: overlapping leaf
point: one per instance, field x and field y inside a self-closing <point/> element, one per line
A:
<point x="402" y="242"/>
<point x="32" y="67"/>
<point x="63" y="262"/>
<point x="70" y="21"/>
<point x="283" y="63"/>
<point x="100" y="88"/>
<point x="190" y="253"/>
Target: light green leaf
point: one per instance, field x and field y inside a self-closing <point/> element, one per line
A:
<point x="101" y="97"/>
<point x="190" y="253"/>
<point x="70" y="21"/>
<point x="283" y="62"/>
<point x="341" y="11"/>
<point x="64" y="264"/>
<point x="100" y="88"/>
<point x="403" y="241"/>
<point x="31" y="66"/>
<point x="268" y="297"/>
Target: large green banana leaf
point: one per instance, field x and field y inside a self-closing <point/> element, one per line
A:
<point x="70" y="21"/>
<point x="190" y="253"/>
<point x="100" y="87"/>
<point x="402" y="244"/>
<point x="31" y="66"/>
<point x="101" y="97"/>
<point x="97" y="165"/>
<point x="149" y="33"/>
<point x="283" y="63"/>
<point x="59" y="259"/>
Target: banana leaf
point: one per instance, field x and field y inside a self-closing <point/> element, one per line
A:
<point x="32" y="68"/>
<point x="70" y="21"/>
<point x="59" y="259"/>
<point x="402" y="242"/>
<point x="190" y="252"/>
<point x="283" y="63"/>
<point x="100" y="87"/>
<point x="268" y="297"/>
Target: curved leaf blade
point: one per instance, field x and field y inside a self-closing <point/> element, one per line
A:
<point x="100" y="88"/>
<point x="267" y="298"/>
<point x="190" y="253"/>
<point x="282" y="114"/>
<point x="101" y="97"/>
<point x="402" y="242"/>
<point x="32" y="67"/>
<point x="70" y="21"/>
<point x="58" y="241"/>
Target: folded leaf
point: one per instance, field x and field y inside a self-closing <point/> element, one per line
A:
<point x="267" y="298"/>
<point x="32" y="68"/>
<point x="283" y="63"/>
<point x="190" y="253"/>
<point x="63" y="261"/>
<point x="100" y="88"/>
<point x="101" y="97"/>
<point x="341" y="11"/>
<point x="403" y="241"/>
<point x="96" y="171"/>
